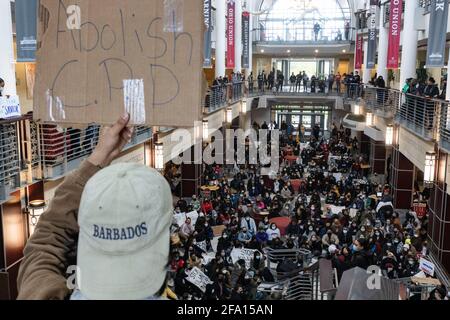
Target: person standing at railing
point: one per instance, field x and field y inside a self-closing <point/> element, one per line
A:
<point x="338" y="79"/>
<point x="271" y="80"/>
<point x="260" y="82"/>
<point x="280" y="82"/>
<point x="381" y="92"/>
<point x="250" y="82"/>
<point x="317" y="29"/>
<point x="443" y="95"/>
<point x="431" y="92"/>
<point x="331" y="79"/>
<point x="357" y="83"/>
<point x="2" y="87"/>
<point x="298" y="82"/>
<point x="292" y="81"/>
<point x="305" y="82"/>
<point x="347" y="30"/>
<point x="313" y="84"/>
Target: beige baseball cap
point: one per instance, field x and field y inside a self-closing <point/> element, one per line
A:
<point x="123" y="247"/>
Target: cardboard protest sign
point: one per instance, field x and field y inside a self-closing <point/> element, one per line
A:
<point x="198" y="278"/>
<point x="98" y="59"/>
<point x="245" y="254"/>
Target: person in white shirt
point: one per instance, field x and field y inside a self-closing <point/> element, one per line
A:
<point x="186" y="229"/>
<point x="249" y="223"/>
<point x="273" y="232"/>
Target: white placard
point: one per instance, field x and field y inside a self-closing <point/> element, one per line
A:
<point x="9" y="107"/>
<point x="245" y="254"/>
<point x="199" y="279"/>
<point x="194" y="216"/>
<point x="427" y="266"/>
<point x="336" y="210"/>
<point x="337" y="176"/>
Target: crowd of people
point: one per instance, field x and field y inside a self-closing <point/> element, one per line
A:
<point x="324" y="203"/>
<point x="349" y="84"/>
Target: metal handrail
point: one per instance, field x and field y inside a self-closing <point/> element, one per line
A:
<point x="222" y="95"/>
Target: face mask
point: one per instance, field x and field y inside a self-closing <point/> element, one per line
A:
<point x="248" y="218"/>
<point x="363" y="229"/>
<point x="258" y="258"/>
<point x="311" y="229"/>
<point x="274" y="227"/>
<point x="345" y="231"/>
<point x="411" y="262"/>
<point x="377" y="233"/>
<point x="225" y="236"/>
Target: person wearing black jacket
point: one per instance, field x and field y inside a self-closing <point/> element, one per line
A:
<point x="431" y="92"/>
<point x="381" y="92"/>
<point x="361" y="257"/>
<point x="2" y="87"/>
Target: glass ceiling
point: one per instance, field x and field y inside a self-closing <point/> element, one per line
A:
<point x="294" y="20"/>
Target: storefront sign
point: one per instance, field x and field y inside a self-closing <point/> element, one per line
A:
<point x="372" y="41"/>
<point x="26" y="21"/>
<point x="231" y="14"/>
<point x="246" y="39"/>
<point x="9" y="107"/>
<point x="395" y="27"/>
<point x="437" y="38"/>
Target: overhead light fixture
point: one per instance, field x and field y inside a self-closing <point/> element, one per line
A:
<point x="430" y="165"/>
<point x="262" y="50"/>
<point x="244" y="106"/>
<point x="159" y="156"/>
<point x="229" y="115"/>
<point x="389" y="135"/>
<point x="205" y="130"/>
<point x="369" y="119"/>
<point x="288" y="51"/>
<point x="357" y="110"/>
<point x="344" y="51"/>
<point x="35" y="209"/>
<point x="316" y="51"/>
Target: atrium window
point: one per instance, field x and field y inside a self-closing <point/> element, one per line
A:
<point x="299" y="20"/>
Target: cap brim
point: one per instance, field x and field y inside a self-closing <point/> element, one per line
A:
<point x="135" y="276"/>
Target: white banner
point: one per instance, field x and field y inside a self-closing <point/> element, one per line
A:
<point x="199" y="279"/>
<point x="244" y="254"/>
<point x="9" y="107"/>
<point x="180" y="218"/>
<point x="427" y="266"/>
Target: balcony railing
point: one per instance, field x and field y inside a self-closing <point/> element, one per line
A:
<point x="316" y="88"/>
<point x="298" y="35"/>
<point x="444" y="133"/>
<point x="9" y="159"/>
<point x="420" y="115"/>
<point x="221" y="96"/>
<point x="381" y="101"/>
<point x="63" y="150"/>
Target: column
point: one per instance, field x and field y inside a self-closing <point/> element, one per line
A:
<point x="220" y="30"/>
<point x="378" y="157"/>
<point x="448" y="82"/>
<point x="402" y="176"/>
<point x="366" y="72"/>
<point x="7" y="64"/>
<point x="190" y="177"/>
<point x="238" y="37"/>
<point x="383" y="47"/>
<point x="439" y="214"/>
<point x="409" y="44"/>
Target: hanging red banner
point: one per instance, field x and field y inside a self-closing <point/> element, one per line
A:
<point x="231" y="18"/>
<point x="394" y="34"/>
<point x="359" y="56"/>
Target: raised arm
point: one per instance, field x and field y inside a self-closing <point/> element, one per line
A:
<point x="42" y="274"/>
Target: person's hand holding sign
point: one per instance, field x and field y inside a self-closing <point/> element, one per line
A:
<point x="112" y="141"/>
